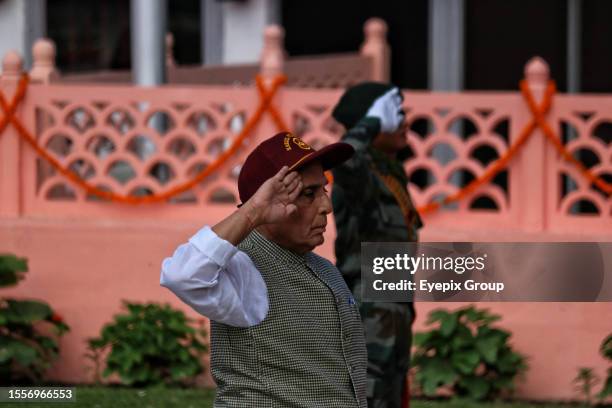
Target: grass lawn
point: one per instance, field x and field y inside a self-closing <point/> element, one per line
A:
<point x="113" y="397"/>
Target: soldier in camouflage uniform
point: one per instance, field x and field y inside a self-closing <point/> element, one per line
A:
<point x="371" y="203"/>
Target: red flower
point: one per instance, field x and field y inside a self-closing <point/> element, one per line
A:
<point x="56" y="318"/>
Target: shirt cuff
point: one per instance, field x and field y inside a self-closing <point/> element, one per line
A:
<point x="217" y="249"/>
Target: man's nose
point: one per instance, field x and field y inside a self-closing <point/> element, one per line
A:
<point x="326" y="204"/>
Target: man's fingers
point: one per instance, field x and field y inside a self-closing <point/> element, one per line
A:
<point x="293" y="194"/>
<point x="281" y="173"/>
<point x="283" y="179"/>
<point x="290" y="177"/>
<point x="291" y="185"/>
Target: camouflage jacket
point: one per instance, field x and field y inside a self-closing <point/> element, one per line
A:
<point x="370" y="199"/>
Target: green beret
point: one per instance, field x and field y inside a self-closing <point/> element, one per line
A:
<point x="356" y="101"/>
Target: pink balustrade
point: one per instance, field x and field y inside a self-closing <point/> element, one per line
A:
<point x="86" y="254"/>
<point x="138" y="141"/>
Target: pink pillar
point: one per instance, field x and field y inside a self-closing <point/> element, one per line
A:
<point x="44" y="72"/>
<point x="375" y="46"/>
<point x="10" y="145"/>
<point x="533" y="155"/>
<point x="43" y="68"/>
<point x="273" y="53"/>
<point x="272" y="64"/>
<point x="170" y="62"/>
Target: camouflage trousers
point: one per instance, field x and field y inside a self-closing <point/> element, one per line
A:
<point x="388" y="332"/>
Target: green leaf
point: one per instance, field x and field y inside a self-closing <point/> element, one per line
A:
<point x="184" y="370"/>
<point x="8" y="278"/>
<point x="10" y="262"/>
<point x="5" y="354"/>
<point x="504" y="382"/>
<point x="96" y="343"/>
<point x="606" y="391"/>
<point x="480" y="316"/>
<point x="500" y="335"/>
<point x="435" y="372"/>
<point x="471" y="314"/>
<point x="466" y="361"/>
<point x="107" y="371"/>
<point x="477" y="387"/>
<point x="489" y="341"/>
<point x="47" y="343"/>
<point x="62" y="328"/>
<point x="488" y="348"/>
<point x="444" y="349"/>
<point x="199" y="345"/>
<point x="448" y="324"/>
<point x="418" y="358"/>
<point x="606" y="348"/>
<point x="133" y="308"/>
<point x="509" y="361"/>
<point x="491" y="319"/>
<point x="22" y="353"/>
<point x="12" y="269"/>
<point x="437" y="315"/>
<point x="26" y="311"/>
<point x="462" y="337"/>
<point x="420" y="339"/>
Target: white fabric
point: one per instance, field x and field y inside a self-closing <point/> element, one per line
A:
<point x="388" y="109"/>
<point x="217" y="280"/>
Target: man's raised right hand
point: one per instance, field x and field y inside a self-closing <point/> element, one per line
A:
<point x="274" y="201"/>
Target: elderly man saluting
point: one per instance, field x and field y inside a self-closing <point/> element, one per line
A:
<point x="285" y="329"/>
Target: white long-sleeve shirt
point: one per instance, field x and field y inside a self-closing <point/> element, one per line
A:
<point x="217" y="280"/>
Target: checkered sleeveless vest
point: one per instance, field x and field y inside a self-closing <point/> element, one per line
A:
<point x="309" y="351"/>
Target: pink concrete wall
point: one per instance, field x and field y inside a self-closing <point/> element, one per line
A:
<point x="85" y="269"/>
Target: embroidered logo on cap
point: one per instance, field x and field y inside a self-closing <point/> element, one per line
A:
<point x="296" y="140"/>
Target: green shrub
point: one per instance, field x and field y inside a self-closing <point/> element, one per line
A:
<point x="29" y="330"/>
<point x="585" y="381"/>
<point x="606" y="352"/>
<point x="150" y="345"/>
<point x="464" y="353"/>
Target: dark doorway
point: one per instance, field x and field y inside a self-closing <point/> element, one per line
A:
<point x="90" y="36"/>
<point x="596" y="46"/>
<point x="322" y="27"/>
<point x="93" y="36"/>
<point x="501" y="36"/>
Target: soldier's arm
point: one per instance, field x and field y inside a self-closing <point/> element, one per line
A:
<point x="385" y="115"/>
<point x="355" y="175"/>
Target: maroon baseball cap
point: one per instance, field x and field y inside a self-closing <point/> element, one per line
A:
<point x="285" y="149"/>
